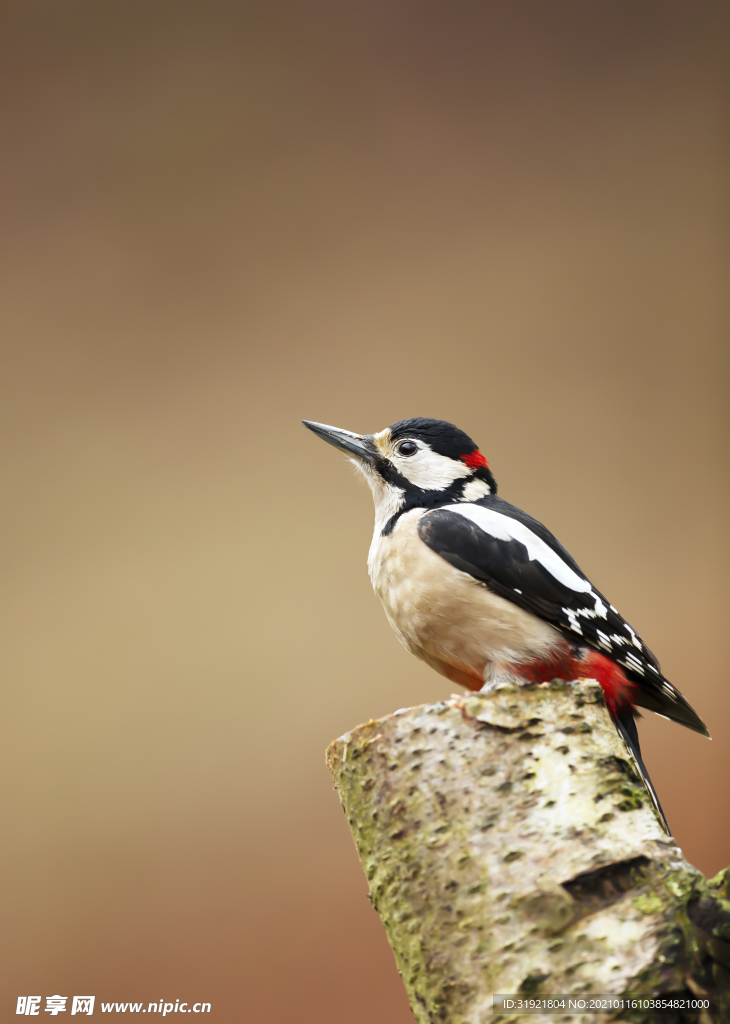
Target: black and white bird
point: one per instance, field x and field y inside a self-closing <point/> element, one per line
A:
<point x="476" y="588"/>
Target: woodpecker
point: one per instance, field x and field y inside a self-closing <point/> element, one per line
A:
<point x="478" y="589"/>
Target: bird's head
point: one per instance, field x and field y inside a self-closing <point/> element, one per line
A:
<point x="414" y="463"/>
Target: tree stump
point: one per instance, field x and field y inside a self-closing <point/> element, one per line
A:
<point x="511" y="848"/>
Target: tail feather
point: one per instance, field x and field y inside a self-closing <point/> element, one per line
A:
<point x="626" y="727"/>
<point x="664" y="699"/>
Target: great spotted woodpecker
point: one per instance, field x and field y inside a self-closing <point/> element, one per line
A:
<point x="478" y="589"/>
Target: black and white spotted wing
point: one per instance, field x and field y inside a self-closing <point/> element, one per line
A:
<point x="517" y="558"/>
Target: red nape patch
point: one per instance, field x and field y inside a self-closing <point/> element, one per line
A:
<point x="566" y="664"/>
<point x="475" y="459"/>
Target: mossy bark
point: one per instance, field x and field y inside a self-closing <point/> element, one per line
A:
<point x="510" y="847"/>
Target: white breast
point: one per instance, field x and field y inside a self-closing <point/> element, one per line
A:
<point x="444" y="615"/>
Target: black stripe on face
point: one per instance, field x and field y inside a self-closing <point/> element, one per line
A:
<point x="415" y="497"/>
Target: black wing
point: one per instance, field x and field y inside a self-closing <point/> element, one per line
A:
<point x="517" y="558"/>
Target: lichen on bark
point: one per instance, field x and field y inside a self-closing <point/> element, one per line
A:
<point x="510" y="847"/>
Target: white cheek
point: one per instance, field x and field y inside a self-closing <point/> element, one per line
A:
<point x="430" y="471"/>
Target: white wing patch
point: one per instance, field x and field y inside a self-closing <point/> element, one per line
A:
<point x="634" y="638"/>
<point x="632" y="662"/>
<point x="505" y="528"/>
<point x="572" y="619"/>
<point x="599" y="610"/>
<point x="604" y="640"/>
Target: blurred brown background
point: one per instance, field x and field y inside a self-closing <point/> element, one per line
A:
<point x="220" y="217"/>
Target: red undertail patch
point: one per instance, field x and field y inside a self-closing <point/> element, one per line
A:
<point x="617" y="689"/>
<point x="585" y="664"/>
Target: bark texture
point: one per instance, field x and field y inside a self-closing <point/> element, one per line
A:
<point x="510" y="847"/>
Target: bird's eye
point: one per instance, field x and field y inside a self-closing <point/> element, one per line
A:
<point x="407" y="448"/>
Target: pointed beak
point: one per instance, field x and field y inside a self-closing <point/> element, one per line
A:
<point x="361" y="446"/>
